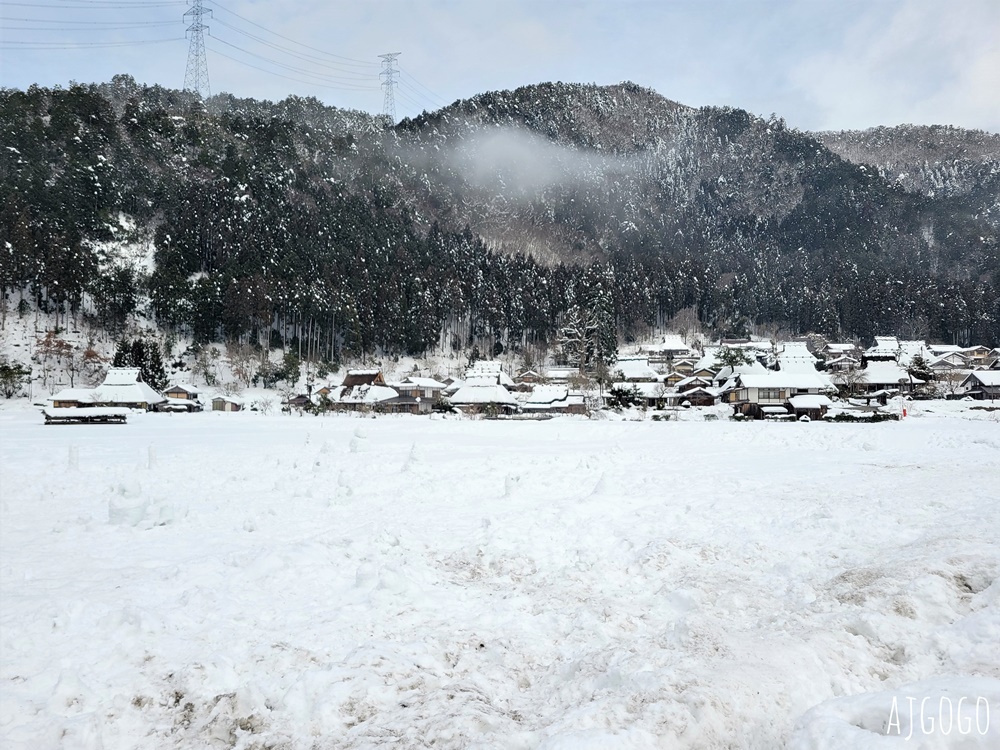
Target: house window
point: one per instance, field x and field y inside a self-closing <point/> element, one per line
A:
<point x="769" y="394"/>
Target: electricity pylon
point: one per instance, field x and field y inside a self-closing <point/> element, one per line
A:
<point x="389" y="84"/>
<point x="196" y="75"/>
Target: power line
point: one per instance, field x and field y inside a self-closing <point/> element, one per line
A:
<point x="107" y="6"/>
<point x="82" y="45"/>
<point x="360" y="63"/>
<point x="351" y="84"/>
<point x="120" y="27"/>
<point x="280" y="75"/>
<point x="307" y="58"/>
<point x="88" y="23"/>
<point x="434" y="97"/>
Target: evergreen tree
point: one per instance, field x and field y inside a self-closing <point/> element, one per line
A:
<point x="143" y="354"/>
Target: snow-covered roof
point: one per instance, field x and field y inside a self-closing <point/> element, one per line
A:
<point x="691" y="379"/>
<point x="796" y="349"/>
<point x="228" y="399"/>
<point x="88" y="411"/>
<point x="122" y="386"/>
<point x="121" y="376"/>
<point x="796" y="357"/>
<point x="83" y="395"/>
<point x="482" y="391"/>
<point x="797" y="364"/>
<point x="989" y="378"/>
<point x="186" y="387"/>
<point x="453" y="386"/>
<point x="185" y="402"/>
<point x="429" y="383"/>
<point x="727" y="372"/>
<point x="708" y="359"/>
<point x="944" y="348"/>
<point x="561" y="373"/>
<point x="887" y="372"/>
<point x="885" y="346"/>
<point x="810" y="401"/>
<point x="782" y="379"/>
<point x="952" y="358"/>
<point x="489" y="368"/>
<point x="636" y="368"/>
<point x="552" y="397"/>
<point x="671" y="343"/>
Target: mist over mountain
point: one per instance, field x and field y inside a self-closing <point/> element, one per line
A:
<point x="490" y="221"/>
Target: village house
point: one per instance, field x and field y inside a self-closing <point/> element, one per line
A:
<point x="885" y="349"/>
<point x="673" y="378"/>
<point x="561" y="374"/>
<point x="417" y="395"/>
<point x="362" y="389"/>
<point x="886" y="376"/>
<point x="950" y="362"/>
<point x="300" y="401"/>
<point x="490" y="368"/>
<point x="813" y="406"/>
<point x="180" y="398"/>
<point x="978" y="356"/>
<point x="122" y="387"/>
<point x="757" y="395"/>
<point x="832" y="352"/>
<point x="484" y="394"/>
<point x="182" y="391"/>
<point x="842" y="364"/>
<point x="70" y="398"/>
<point x="698" y="396"/>
<point x="982" y="384"/>
<point x="690" y="383"/>
<point x="636" y="370"/>
<point x="527" y="379"/>
<point x="554" y="399"/>
<point x="423" y="388"/>
<point x="664" y="354"/>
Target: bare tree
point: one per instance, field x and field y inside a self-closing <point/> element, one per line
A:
<point x="244" y="362"/>
<point x="950" y="381"/>
<point x="849" y="381"/>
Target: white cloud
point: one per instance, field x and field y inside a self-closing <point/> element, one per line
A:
<point x="926" y="62"/>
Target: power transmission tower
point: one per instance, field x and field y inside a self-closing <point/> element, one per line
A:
<point x="389" y="85"/>
<point x="196" y="75"/>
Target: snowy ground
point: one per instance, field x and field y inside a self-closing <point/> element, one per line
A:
<point x="236" y="580"/>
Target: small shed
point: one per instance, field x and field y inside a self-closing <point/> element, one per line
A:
<point x="227" y="403"/>
<point x="810" y="405"/>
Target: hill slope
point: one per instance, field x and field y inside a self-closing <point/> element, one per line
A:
<point x="488" y="221"/>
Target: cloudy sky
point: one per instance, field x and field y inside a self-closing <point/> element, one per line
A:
<point x="820" y="64"/>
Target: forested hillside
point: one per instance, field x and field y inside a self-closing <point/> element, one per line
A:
<point x="492" y="222"/>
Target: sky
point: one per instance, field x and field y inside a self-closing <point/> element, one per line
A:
<point x="819" y="64"/>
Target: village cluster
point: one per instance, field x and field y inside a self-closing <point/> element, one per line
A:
<point x="762" y="381"/>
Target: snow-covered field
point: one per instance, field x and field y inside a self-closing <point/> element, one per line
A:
<point x="238" y="580"/>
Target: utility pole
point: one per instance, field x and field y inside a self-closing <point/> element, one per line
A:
<point x="196" y="75"/>
<point x="388" y="85"/>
